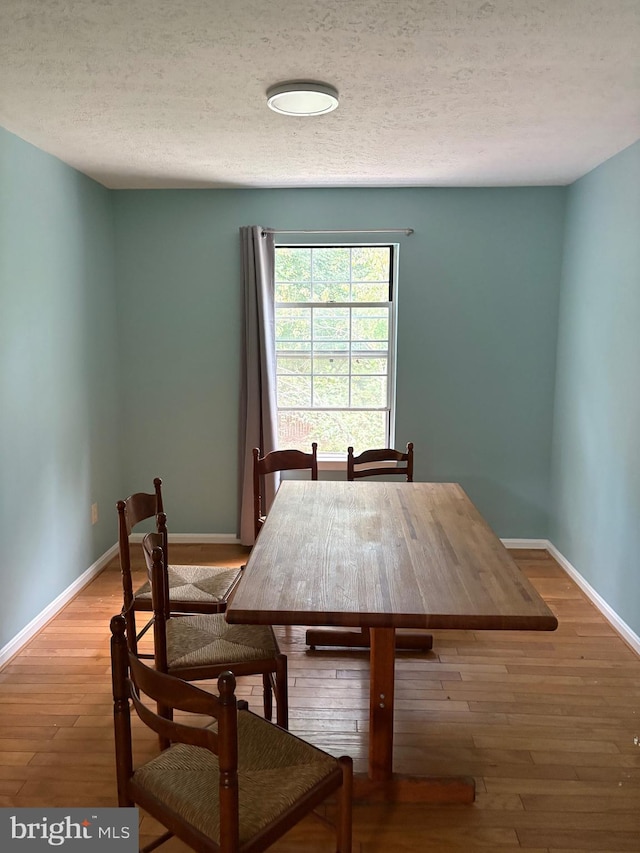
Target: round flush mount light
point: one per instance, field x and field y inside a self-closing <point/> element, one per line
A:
<point x="300" y="98"/>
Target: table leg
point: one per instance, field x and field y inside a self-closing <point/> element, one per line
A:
<point x="381" y="690"/>
<point x="381" y="784"/>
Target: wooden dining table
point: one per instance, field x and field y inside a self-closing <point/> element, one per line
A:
<point x="385" y="556"/>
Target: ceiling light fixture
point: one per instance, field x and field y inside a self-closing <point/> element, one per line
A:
<point x="302" y="98"/>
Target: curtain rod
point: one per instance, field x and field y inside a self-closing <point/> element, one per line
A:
<point x="406" y="231"/>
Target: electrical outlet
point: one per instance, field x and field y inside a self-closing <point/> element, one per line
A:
<point x="94" y="513"/>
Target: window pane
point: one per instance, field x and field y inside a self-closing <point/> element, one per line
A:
<point x="331" y="324"/>
<point x="293" y="324"/>
<point x="369" y="391"/>
<point x="335" y="355"/>
<point x="374" y="348"/>
<point x="289" y="365"/>
<point x="331" y="346"/>
<point x="293" y="275"/>
<point x="293" y="264"/>
<point x="294" y="391"/>
<point x="370" y="324"/>
<point x="334" y="431"/>
<point x="331" y="391"/>
<point x="362" y="364"/>
<point x="331" y="264"/>
<point x="371" y="263"/>
<point x="326" y="365"/>
<point x="330" y="291"/>
<point x="293" y="346"/>
<point x="298" y="291"/>
<point x="370" y="292"/>
<point x="339" y="274"/>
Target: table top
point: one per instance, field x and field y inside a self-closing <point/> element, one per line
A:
<point x="381" y="554"/>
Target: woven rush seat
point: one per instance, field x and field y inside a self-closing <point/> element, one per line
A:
<point x="235" y="785"/>
<point x="196" y="584"/>
<point x="275" y="769"/>
<point x="203" y="639"/>
<point x="190" y="589"/>
<point x="199" y="646"/>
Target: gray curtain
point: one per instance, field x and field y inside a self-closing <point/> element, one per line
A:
<point x="258" y="416"/>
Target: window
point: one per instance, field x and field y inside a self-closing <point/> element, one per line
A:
<point x="335" y="345"/>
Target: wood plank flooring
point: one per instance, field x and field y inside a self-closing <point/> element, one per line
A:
<point x="548" y="724"/>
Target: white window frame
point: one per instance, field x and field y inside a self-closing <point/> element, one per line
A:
<point x="328" y="461"/>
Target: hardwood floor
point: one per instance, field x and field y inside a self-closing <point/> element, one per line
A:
<point x="548" y="724"/>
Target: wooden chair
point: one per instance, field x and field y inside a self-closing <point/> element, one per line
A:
<point x="278" y="460"/>
<point x="200" y="646"/>
<point x="192" y="589"/>
<point x="367" y="463"/>
<point x="235" y="785"/>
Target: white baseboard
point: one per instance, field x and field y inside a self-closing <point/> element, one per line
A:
<point x="23" y="637"/>
<point x="627" y="634"/>
<point x="51" y="610"/>
<point x="195" y="538"/>
<point x="526" y="544"/>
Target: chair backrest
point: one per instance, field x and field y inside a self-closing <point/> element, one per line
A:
<point x="367" y="463"/>
<point x="278" y="460"/>
<point x="152" y="547"/>
<point x="131" y="511"/>
<point x="136" y="508"/>
<point x="132" y="680"/>
<point x="141" y="505"/>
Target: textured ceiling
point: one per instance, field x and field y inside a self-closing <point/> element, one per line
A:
<point x="171" y="93"/>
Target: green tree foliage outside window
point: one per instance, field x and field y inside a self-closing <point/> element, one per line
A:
<point x="333" y="325"/>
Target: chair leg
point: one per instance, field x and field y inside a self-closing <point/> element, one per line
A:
<point x="124" y="800"/>
<point x="267" y="695"/>
<point x="344" y="828"/>
<point x="282" y="692"/>
<point x="130" y="621"/>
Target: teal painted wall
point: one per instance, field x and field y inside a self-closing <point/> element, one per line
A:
<point x="121" y="313"/>
<point x="477" y="322"/>
<point x="595" y="519"/>
<point x="58" y="379"/>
